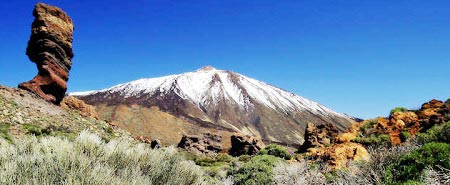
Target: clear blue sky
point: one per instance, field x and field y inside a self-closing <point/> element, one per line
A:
<point x="360" y="57"/>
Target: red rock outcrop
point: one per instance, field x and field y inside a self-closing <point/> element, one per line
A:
<point x="207" y="144"/>
<point x="50" y="47"/>
<point x="245" y="145"/>
<point x="432" y="113"/>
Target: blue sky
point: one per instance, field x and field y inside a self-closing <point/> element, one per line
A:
<point x="358" y="57"/>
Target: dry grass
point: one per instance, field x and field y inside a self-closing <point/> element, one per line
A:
<point x="89" y="160"/>
<point x="436" y="177"/>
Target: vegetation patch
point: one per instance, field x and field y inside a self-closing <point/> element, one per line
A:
<point x="373" y="140"/>
<point x="219" y="160"/>
<point x="409" y="168"/>
<point x="4" y="131"/>
<point x="89" y="160"/>
<point x="404" y="136"/>
<point x="277" y="151"/>
<point x="399" y="109"/>
<point x="367" y="128"/>
<point x="438" y="133"/>
<point x="258" y="171"/>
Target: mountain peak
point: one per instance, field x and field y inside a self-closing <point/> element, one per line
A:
<point x="222" y="100"/>
<point x="207" y="68"/>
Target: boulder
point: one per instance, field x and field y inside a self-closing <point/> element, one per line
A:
<point x="156" y="144"/>
<point x="339" y="155"/>
<point x="319" y="136"/>
<point x="50" y="47"/>
<point x="206" y="144"/>
<point x="245" y="145"/>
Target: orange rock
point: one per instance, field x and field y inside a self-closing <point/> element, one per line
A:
<point x="345" y="137"/>
<point x="338" y="156"/>
<point x="72" y="103"/>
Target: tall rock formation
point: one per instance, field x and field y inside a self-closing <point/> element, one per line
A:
<point x="50" y="47"/>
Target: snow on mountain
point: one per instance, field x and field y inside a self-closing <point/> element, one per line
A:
<point x="208" y="86"/>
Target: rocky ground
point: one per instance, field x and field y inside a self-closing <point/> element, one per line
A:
<point x="22" y="112"/>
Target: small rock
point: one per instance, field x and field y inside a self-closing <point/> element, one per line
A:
<point x="155" y="144"/>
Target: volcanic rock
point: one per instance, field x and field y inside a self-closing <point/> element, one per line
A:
<point x="245" y="145"/>
<point x="206" y="144"/>
<point x="432" y="113"/>
<point x="339" y="155"/>
<point x="50" y="47"/>
<point x="156" y="144"/>
<point x="319" y="136"/>
<point x="72" y="103"/>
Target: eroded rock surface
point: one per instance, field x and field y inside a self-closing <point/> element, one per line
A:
<point x="319" y="136"/>
<point x="72" y="103"/>
<point x="206" y="144"/>
<point x="339" y="155"/>
<point x="245" y="145"/>
<point x="50" y="47"/>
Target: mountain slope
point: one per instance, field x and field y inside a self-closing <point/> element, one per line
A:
<point x="24" y="113"/>
<point x="219" y="100"/>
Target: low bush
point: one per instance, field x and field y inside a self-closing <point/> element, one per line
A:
<point x="398" y="109"/>
<point x="258" y="171"/>
<point x="89" y="160"/>
<point x="297" y="173"/>
<point x="438" y="133"/>
<point x="409" y="167"/>
<point x="277" y="151"/>
<point x="404" y="136"/>
<point x="367" y="128"/>
<point x="245" y="158"/>
<point x="219" y="160"/>
<point x="35" y="130"/>
<point x="4" y="132"/>
<point x="373" y="140"/>
<point x="436" y="176"/>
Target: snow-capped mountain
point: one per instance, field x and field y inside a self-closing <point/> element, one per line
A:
<point x="220" y="100"/>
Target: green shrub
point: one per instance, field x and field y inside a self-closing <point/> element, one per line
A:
<point x="89" y="160"/>
<point x="277" y="151"/>
<point x="438" y="133"/>
<point x="245" y="158"/>
<point x="4" y="131"/>
<point x="367" y="127"/>
<point x="410" y="166"/>
<point x="399" y="109"/>
<point x="373" y="140"/>
<point x="405" y="136"/>
<point x="219" y="160"/>
<point x="258" y="171"/>
<point x="35" y="130"/>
